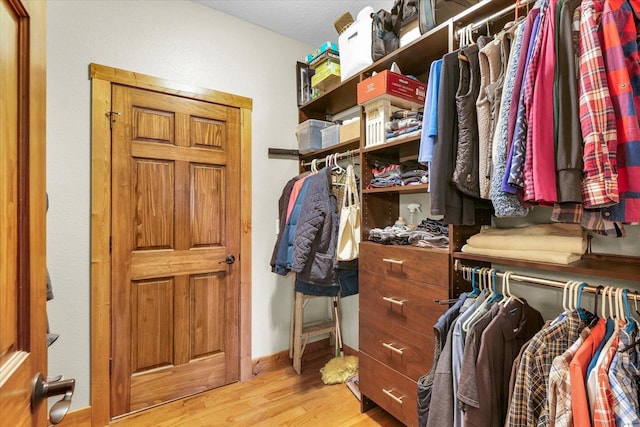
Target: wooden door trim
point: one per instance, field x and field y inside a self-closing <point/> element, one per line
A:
<point x="102" y="77"/>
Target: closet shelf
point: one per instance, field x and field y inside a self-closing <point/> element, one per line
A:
<point x="407" y="189"/>
<point x="352" y="144"/>
<point x="411" y="145"/>
<point x="598" y="265"/>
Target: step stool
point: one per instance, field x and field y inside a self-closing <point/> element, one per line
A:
<point x="301" y="332"/>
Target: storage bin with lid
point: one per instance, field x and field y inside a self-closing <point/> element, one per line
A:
<point x="310" y="136"/>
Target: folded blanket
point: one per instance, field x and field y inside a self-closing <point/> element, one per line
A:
<point x="534" y="255"/>
<point x="566" y="238"/>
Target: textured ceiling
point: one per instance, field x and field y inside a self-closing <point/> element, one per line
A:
<point x="308" y="21"/>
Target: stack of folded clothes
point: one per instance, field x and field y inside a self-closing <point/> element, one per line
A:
<point x="428" y="234"/>
<point x="392" y="235"/>
<point x="403" y="124"/>
<point x="387" y="174"/>
<point x="553" y="243"/>
<point x="413" y="173"/>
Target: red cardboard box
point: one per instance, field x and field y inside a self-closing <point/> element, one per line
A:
<point x="387" y="82"/>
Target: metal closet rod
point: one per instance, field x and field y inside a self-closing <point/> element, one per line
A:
<point x="338" y="155"/>
<point x="477" y="25"/>
<point x="545" y="282"/>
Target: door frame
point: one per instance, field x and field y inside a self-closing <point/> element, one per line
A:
<point x="102" y="77"/>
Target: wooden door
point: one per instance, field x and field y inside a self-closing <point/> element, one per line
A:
<point x="175" y="227"/>
<point x="22" y="210"/>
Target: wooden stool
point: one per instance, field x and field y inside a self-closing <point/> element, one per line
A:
<point x="301" y="332"/>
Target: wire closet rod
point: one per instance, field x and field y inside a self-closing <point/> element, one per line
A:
<point x="338" y="156"/>
<point x="499" y="14"/>
<point x="540" y="281"/>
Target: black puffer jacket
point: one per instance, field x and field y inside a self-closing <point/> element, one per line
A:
<point x="316" y="234"/>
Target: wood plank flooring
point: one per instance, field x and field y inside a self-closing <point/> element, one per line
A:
<point x="277" y="398"/>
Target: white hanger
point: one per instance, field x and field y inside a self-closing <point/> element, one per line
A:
<point x="506" y="280"/>
<point x="336" y="165"/>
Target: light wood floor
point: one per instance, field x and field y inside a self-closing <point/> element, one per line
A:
<point x="277" y="398"/>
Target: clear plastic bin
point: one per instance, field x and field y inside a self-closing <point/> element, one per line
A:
<point x="330" y="136"/>
<point x="310" y="136"/>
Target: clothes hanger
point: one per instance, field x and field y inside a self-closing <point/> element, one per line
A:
<point x="481" y="309"/>
<point x="495" y="294"/>
<point x="512" y="297"/>
<point x="474" y="287"/>
<point x="636" y="342"/>
<point x="505" y="287"/>
<point x="336" y="165"/>
<point x="465" y="40"/>
<point x="631" y="323"/>
<point x="466" y="273"/>
<point x="578" y="307"/>
<point x="565" y="291"/>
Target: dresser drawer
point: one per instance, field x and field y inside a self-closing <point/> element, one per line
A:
<point x="405" y="262"/>
<point x="404" y="350"/>
<point x="400" y="301"/>
<point x="394" y="392"/>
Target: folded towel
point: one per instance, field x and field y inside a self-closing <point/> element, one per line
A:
<point x="535" y="255"/>
<point x="567" y="238"/>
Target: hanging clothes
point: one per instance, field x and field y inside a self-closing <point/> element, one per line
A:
<point x="619" y="25"/>
<point x="529" y="404"/>
<point x="505" y="203"/>
<point x="465" y="172"/>
<point x="512" y="326"/>
<point x="567" y="135"/>
<point x="425" y="383"/>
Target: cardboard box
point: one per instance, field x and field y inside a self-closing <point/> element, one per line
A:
<point x="394" y="84"/>
<point x="350" y="131"/>
<point x="326" y="78"/>
<point x="326" y="46"/>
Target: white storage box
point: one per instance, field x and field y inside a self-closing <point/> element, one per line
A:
<point x="310" y="136"/>
<point x="330" y="136"/>
<point x="355" y="45"/>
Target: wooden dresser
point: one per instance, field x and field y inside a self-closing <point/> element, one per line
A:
<point x="398" y="286"/>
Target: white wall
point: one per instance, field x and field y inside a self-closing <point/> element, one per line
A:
<point x="183" y="42"/>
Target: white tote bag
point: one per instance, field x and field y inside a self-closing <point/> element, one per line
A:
<point x="349" y="230"/>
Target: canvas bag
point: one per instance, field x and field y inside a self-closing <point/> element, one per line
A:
<point x="349" y="229"/>
<point x="432" y="13"/>
<point x="385" y="33"/>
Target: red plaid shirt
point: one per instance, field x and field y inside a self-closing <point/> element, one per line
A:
<point x="597" y="116"/>
<point x="620" y="50"/>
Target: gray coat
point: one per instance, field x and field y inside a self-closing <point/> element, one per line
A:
<point x="315" y="242"/>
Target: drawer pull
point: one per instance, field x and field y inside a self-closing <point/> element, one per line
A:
<point x="393" y="396"/>
<point x="393" y="261"/>
<point x="392" y="348"/>
<point x="392" y="300"/>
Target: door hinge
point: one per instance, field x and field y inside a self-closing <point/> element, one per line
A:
<point x="110" y="244"/>
<point x="110" y="366"/>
